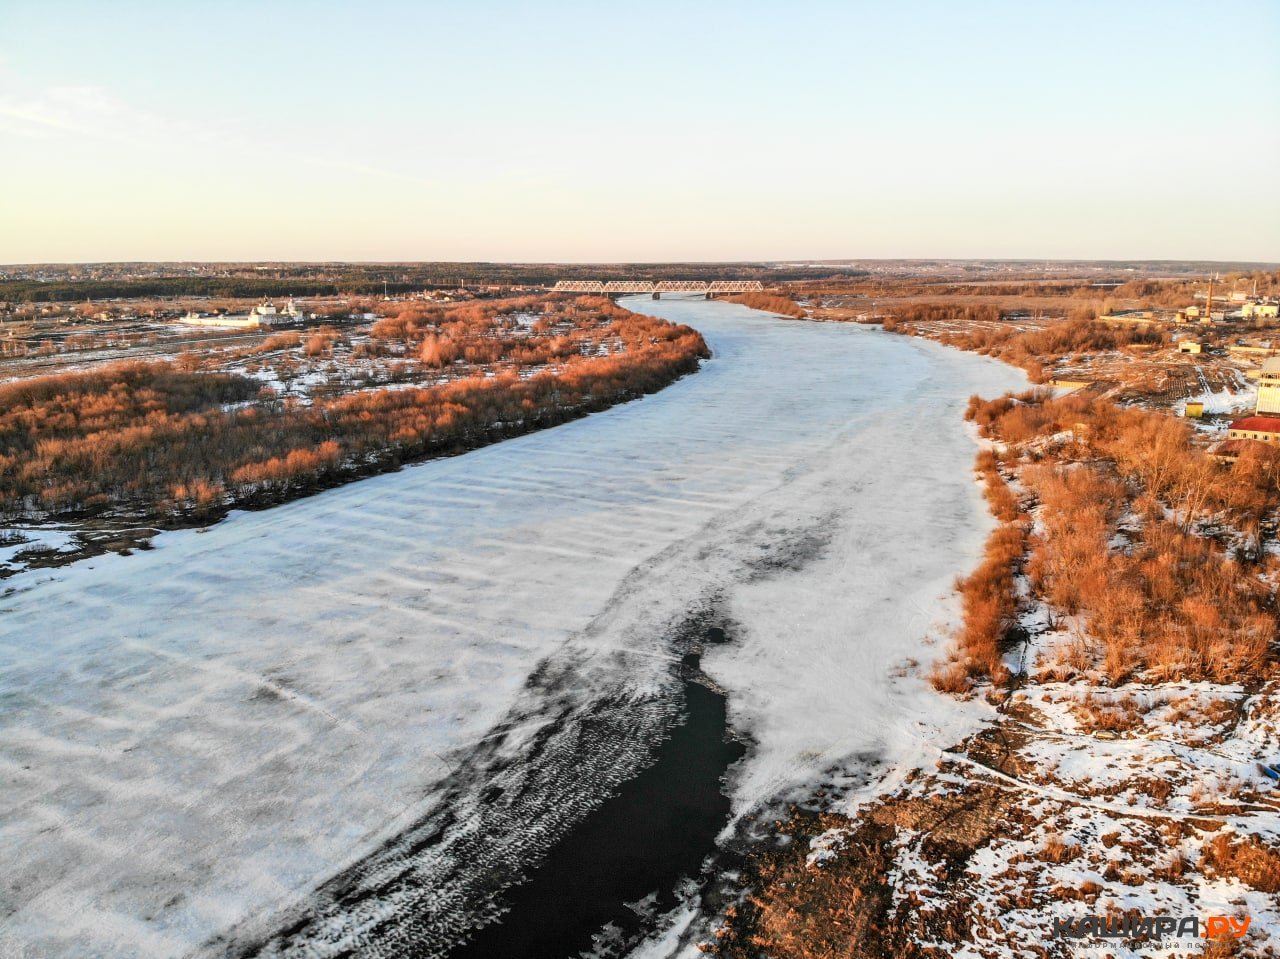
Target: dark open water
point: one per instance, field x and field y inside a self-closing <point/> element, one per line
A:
<point x="657" y="829"/>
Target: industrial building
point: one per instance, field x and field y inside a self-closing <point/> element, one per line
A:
<point x="1269" y="388"/>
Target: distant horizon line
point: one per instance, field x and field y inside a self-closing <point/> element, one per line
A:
<point x="788" y="261"/>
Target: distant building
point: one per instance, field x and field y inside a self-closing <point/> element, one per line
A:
<point x="264" y="314"/>
<point x="1188" y="346"/>
<point x="1262" y="348"/>
<point x="1260" y="309"/>
<point x="1194" y="409"/>
<point x="267" y="314"/>
<point x="216" y="321"/>
<point x="1070" y="386"/>
<point x="1269" y="388"/>
<point x="1132" y="317"/>
<point x="1228" y="451"/>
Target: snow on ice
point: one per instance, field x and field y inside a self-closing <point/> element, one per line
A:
<point x="201" y="733"/>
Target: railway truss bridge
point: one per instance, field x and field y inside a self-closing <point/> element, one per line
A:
<point x="656" y="288"/>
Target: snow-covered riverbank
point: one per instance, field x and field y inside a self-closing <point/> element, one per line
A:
<point x="199" y="734"/>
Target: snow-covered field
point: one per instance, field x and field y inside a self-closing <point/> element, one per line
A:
<point x="193" y="738"/>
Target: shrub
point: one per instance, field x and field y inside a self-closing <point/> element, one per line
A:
<point x="1250" y="860"/>
<point x="770" y="303"/>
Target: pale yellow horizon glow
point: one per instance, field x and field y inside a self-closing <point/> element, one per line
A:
<point x="512" y="143"/>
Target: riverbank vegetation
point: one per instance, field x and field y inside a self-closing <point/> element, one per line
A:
<point x="769" y="303"/>
<point x="1176" y="287"/>
<point x="1026" y="348"/>
<point x="1150" y="548"/>
<point x="169" y="441"/>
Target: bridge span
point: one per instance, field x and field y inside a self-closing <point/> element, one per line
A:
<point x="656" y="288"/>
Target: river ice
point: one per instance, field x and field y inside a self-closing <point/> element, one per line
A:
<point x="195" y="738"/>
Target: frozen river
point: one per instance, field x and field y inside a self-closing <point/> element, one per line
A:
<point x="349" y="713"/>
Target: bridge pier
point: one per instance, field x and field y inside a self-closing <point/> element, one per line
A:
<point x="710" y="295"/>
<point x="657" y="295"/>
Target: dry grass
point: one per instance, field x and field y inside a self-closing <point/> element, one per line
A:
<point x="987" y="595"/>
<point x="278" y="341"/>
<point x="989" y="611"/>
<point x="1249" y="860"/>
<point x="951" y="677"/>
<point x="1094" y="714"/>
<point x="1057" y="850"/>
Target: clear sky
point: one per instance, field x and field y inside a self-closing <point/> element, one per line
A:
<point x="656" y="131"/>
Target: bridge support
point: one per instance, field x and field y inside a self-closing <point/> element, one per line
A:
<point x="657" y="295"/>
<point x="710" y="295"/>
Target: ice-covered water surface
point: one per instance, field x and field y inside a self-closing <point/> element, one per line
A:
<point x="198" y="735"/>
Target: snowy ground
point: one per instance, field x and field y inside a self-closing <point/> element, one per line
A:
<point x="194" y="738"/>
<point x="1227" y="401"/>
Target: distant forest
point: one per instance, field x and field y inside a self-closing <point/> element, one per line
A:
<point x="215" y="287"/>
<point x="358" y="279"/>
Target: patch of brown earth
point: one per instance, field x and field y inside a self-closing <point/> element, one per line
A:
<point x="844" y="906"/>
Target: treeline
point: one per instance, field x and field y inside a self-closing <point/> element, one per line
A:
<point x="1033" y="349"/>
<point x="317" y="280"/>
<point x="770" y="303"/>
<point x="1162" y="293"/>
<point x="1171" y="291"/>
<point x="154" y="440"/>
<point x="1155" y="547"/>
<point x="880" y="287"/>
<point x="907" y="313"/>
<point x="29" y="291"/>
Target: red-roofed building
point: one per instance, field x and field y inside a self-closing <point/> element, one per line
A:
<point x="1228" y="451"/>
<point x="1265" y="428"/>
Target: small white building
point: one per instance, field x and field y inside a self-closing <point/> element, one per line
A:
<point x="1188" y="346"/>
